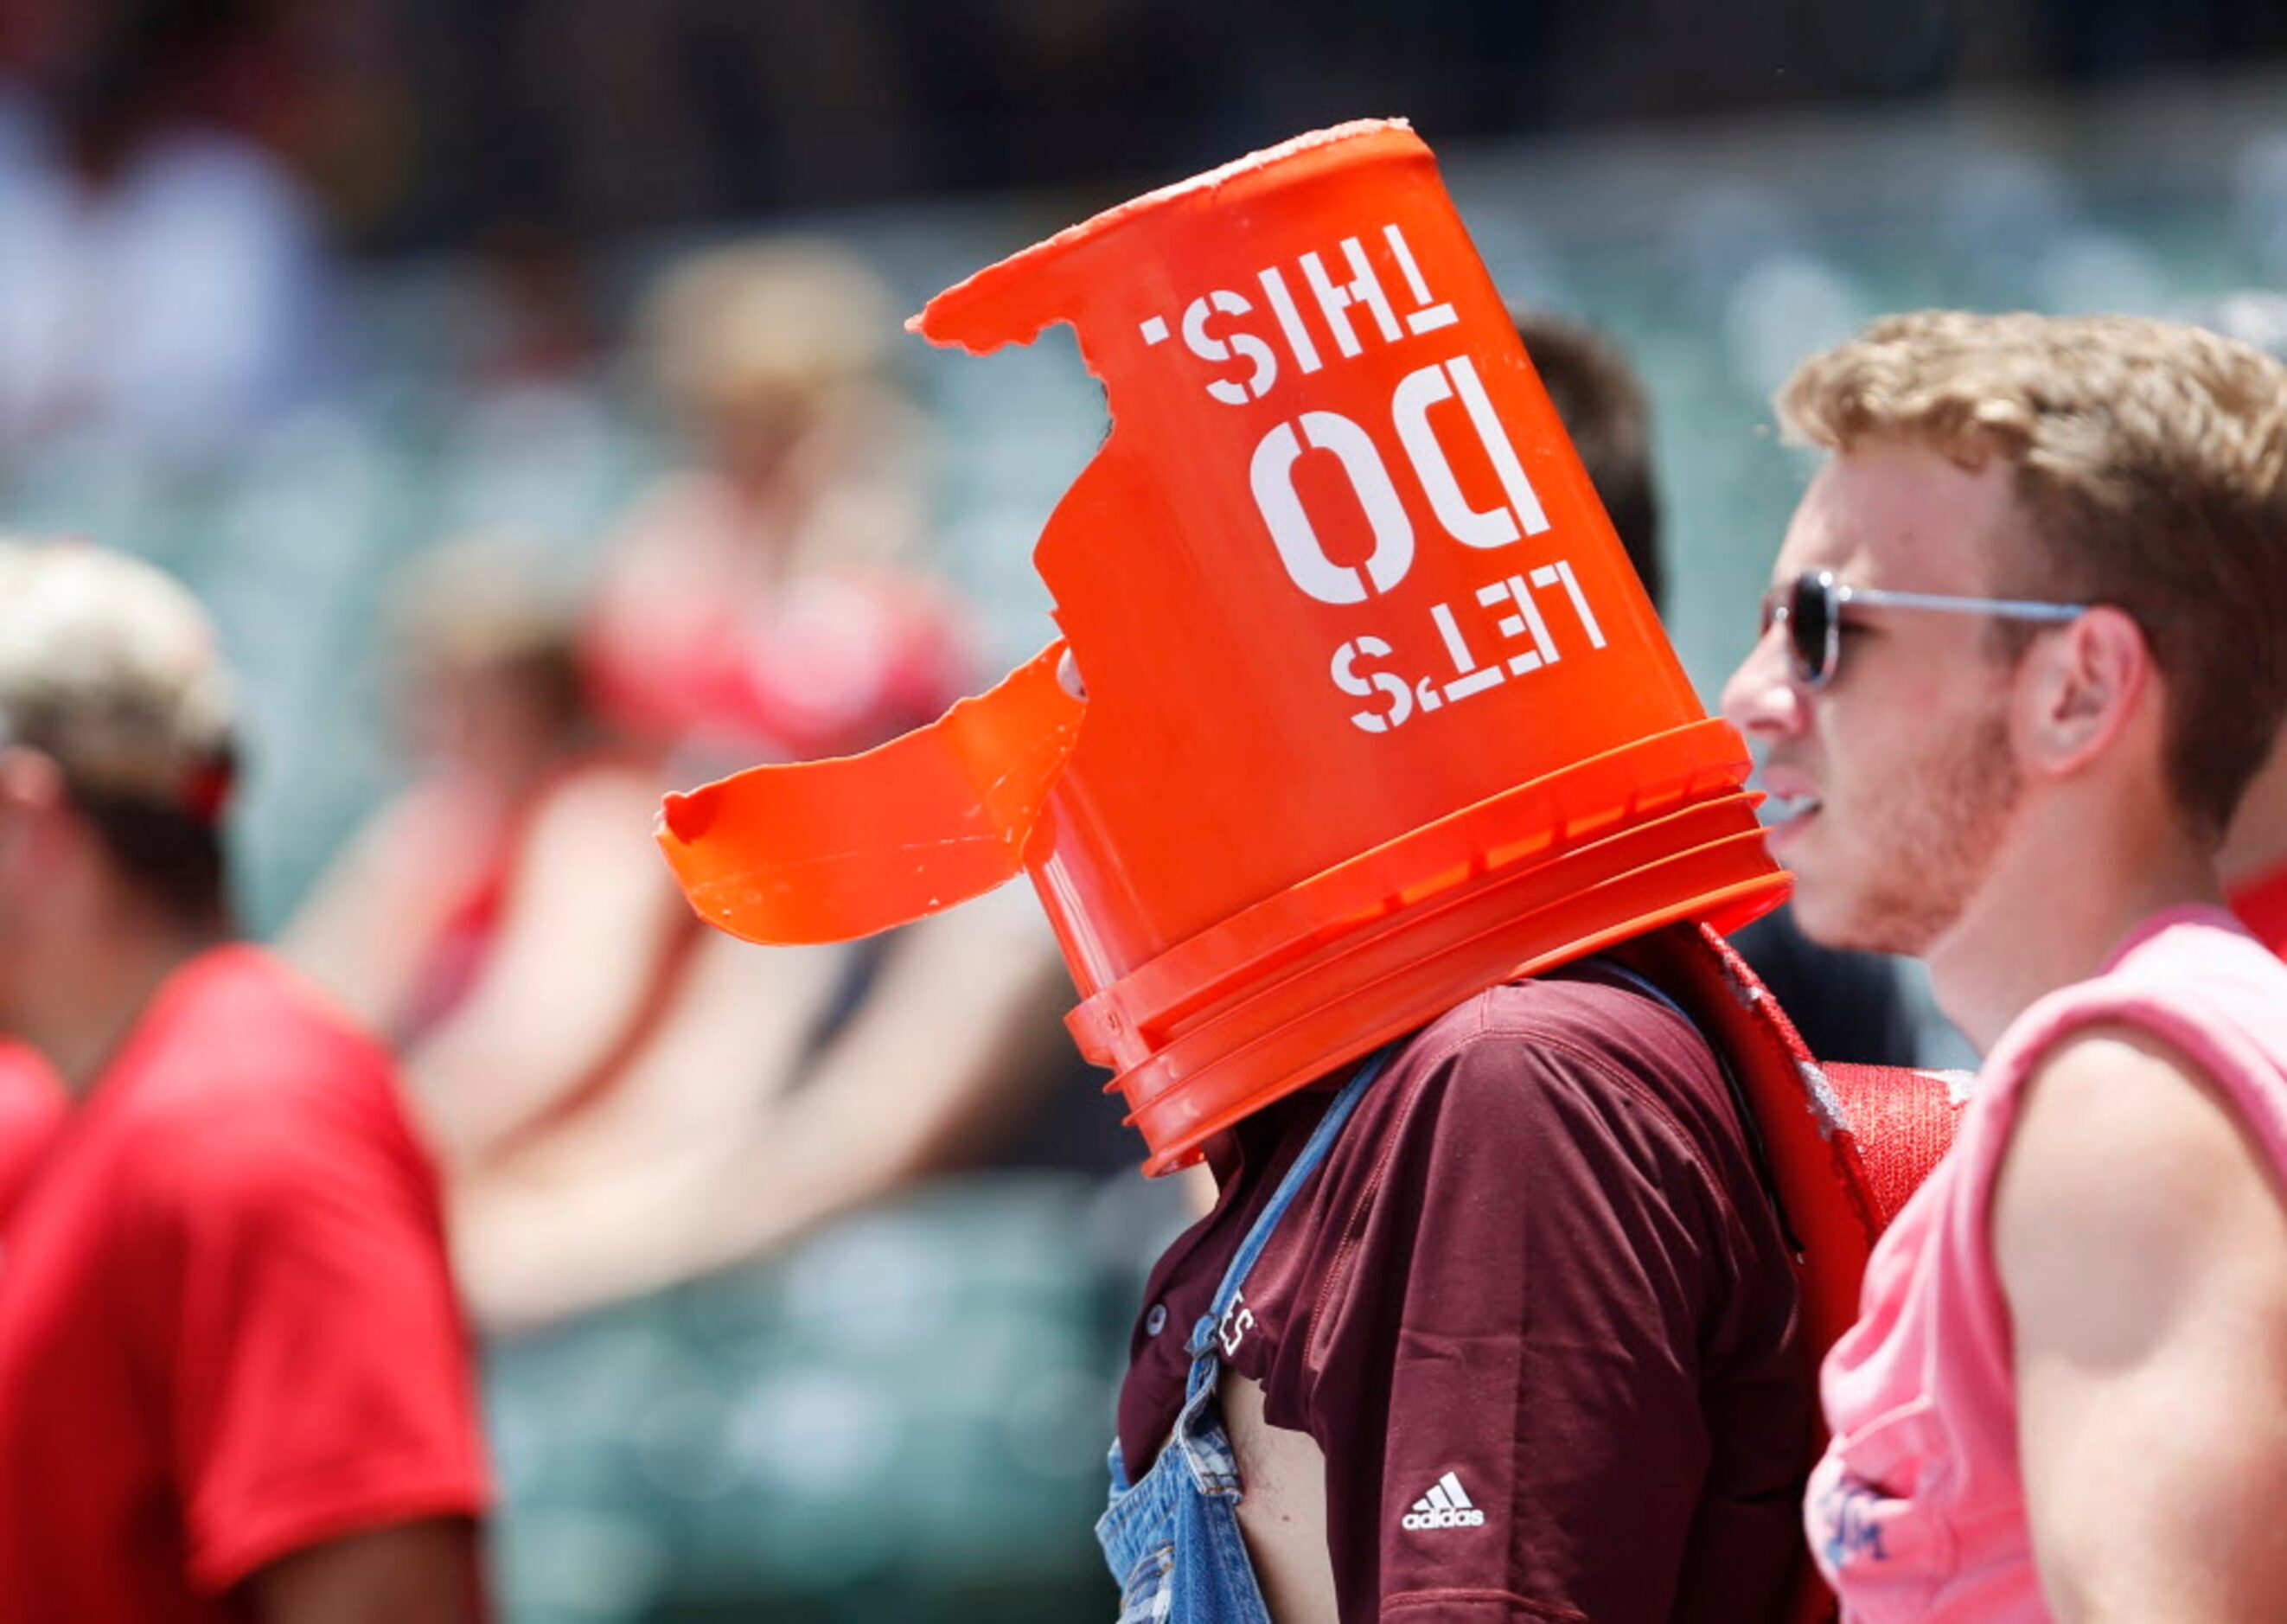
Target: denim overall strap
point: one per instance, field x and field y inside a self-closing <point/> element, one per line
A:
<point x="1201" y="1346"/>
<point x="1172" y="1538"/>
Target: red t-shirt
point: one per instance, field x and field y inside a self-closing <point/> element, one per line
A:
<point x="1540" y="1262"/>
<point x="2261" y="905"/>
<point x="31" y="1110"/>
<point x="226" y="1327"/>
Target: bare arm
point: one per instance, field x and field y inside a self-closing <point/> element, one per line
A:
<point x="430" y="1570"/>
<point x="2143" y="1249"/>
<point x="366" y="927"/>
<point x="589" y="909"/>
<point x="960" y="1025"/>
<point x="963" y="1023"/>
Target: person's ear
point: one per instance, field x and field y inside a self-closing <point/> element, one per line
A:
<point x="2079" y="686"/>
<point x="32" y="803"/>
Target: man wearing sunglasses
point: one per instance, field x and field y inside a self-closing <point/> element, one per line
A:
<point x="2027" y="647"/>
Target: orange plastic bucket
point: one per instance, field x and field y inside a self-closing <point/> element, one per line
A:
<point x="1375" y="712"/>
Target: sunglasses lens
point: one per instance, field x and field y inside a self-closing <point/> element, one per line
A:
<point x="1810" y="627"/>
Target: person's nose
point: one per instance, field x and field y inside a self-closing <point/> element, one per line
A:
<point x="1762" y="700"/>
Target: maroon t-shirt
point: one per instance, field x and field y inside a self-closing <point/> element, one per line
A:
<point x="1538" y="1267"/>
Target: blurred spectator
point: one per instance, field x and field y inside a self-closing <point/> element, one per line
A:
<point x="1847" y="1006"/>
<point x="625" y="1098"/>
<point x="162" y="272"/>
<point x="506" y="921"/>
<point x="765" y="598"/>
<point x="400" y="929"/>
<point x="233" y="1378"/>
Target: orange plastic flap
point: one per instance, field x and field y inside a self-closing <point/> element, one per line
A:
<point x="824" y="850"/>
<point x="1014" y="299"/>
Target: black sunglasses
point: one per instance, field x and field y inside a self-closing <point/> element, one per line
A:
<point x="1810" y="608"/>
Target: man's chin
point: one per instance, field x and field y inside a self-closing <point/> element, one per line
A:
<point x="1842" y="922"/>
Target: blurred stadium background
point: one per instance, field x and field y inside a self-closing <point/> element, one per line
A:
<point x="903" y="1417"/>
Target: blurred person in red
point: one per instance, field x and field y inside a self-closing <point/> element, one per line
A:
<point x="765" y="598"/>
<point x="234" y="1381"/>
<point x="405" y="926"/>
<point x="622" y="1098"/>
<point x="518" y="1004"/>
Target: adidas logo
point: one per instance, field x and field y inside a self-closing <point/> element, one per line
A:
<point x="1446" y="1505"/>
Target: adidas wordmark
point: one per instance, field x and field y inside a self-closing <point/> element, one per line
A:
<point x="1447" y="1505"/>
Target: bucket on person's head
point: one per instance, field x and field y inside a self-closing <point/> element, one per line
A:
<point x="1375" y="714"/>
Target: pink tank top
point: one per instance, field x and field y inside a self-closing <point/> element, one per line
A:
<point x="1917" y="1512"/>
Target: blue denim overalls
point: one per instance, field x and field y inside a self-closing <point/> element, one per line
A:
<point x="1173" y="1540"/>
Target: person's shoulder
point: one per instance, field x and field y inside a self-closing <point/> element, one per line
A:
<point x="1537" y="1021"/>
<point x="2193" y="980"/>
<point x="1528" y="1106"/>
<point x="2127" y="1154"/>
<point x="2109" y="1085"/>
<point x="242" y="1058"/>
<point x="1573" y="1004"/>
<point x="1526" y="1053"/>
<point x="249" y="1012"/>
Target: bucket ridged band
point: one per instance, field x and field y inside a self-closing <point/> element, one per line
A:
<point x="1269" y="1000"/>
